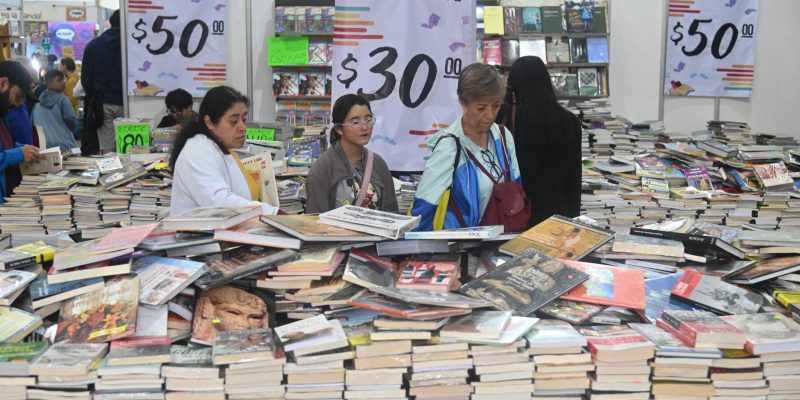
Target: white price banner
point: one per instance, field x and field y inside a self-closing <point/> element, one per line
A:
<point x="176" y="44"/>
<point x="711" y="48"/>
<point x="406" y="60"/>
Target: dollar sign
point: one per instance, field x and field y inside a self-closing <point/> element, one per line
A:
<point x="140" y="33"/>
<point x="675" y="29"/>
<point x="352" y="77"/>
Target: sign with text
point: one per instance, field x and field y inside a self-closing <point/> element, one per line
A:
<point x="73" y="35"/>
<point x="711" y="48"/>
<point x="173" y="44"/>
<point x="131" y="134"/>
<point x="262" y="134"/>
<point x="408" y="69"/>
<point x="289" y="50"/>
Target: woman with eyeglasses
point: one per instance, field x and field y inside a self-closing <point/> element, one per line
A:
<point x="348" y="173"/>
<point x="480" y="90"/>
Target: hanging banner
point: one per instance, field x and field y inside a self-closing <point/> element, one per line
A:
<point x="176" y="44"/>
<point x="74" y="35"/>
<point x="711" y="48"/>
<point x="406" y="62"/>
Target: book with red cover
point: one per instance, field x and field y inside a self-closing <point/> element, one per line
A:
<point x="610" y="286"/>
<point x="124" y="238"/>
<point x="492" y="51"/>
<point x="140" y="350"/>
<point x="621" y="348"/>
<point x="401" y="309"/>
<point x="430" y="272"/>
<point x="101" y="315"/>
<point x="704" y="329"/>
<point x="713" y="294"/>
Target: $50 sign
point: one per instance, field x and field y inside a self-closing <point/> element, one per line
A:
<point x="711" y="48"/>
<point x="176" y="44"/>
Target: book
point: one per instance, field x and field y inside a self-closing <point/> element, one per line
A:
<point x="532" y="21"/>
<point x="533" y="47"/>
<point x="210" y="218"/>
<point x="698" y="178"/>
<point x="13" y="281"/>
<point x="512" y="19"/>
<point x="557" y="50"/>
<point x="574" y="19"/>
<point x="69" y="359"/>
<point x="525" y="283"/>
<point x="162" y="278"/>
<point x="316" y="52"/>
<point x="256" y="232"/>
<point x="773" y="176"/>
<point x="16" y="358"/>
<point x="598" y="24"/>
<point x="99" y="269"/>
<point x="175" y="240"/>
<point x="308" y="229"/>
<point x="478" y="325"/>
<point x="493" y="20"/>
<point x="390" y="248"/>
<point x="552" y="19"/>
<point x="510" y="51"/>
<point x="477" y="232"/>
<point x="285" y="82"/>
<point x="643" y="245"/>
<point x="15" y="259"/>
<point x="767" y="332"/>
<point x="128" y="173"/>
<point x="492" y="51"/>
<point x="123" y="238"/>
<point x="140" y="350"/>
<point x="578" y="52"/>
<point x="239" y="262"/>
<point x="559" y="237"/>
<point x="710" y="246"/>
<point x="554" y="334"/>
<point x="226" y="308"/>
<point x="49" y="161"/>
<point x="403" y="309"/>
<point x="712" y="293"/>
<point x="438" y="272"/>
<point x="430" y="297"/>
<point x="766" y="269"/>
<point x="311" y="84"/>
<point x="44" y="293"/>
<point x="243" y="346"/>
<point x="607" y="285"/>
<point x="80" y="254"/>
<point x="725" y="233"/>
<point x="571" y="311"/>
<point x="16" y="324"/>
<point x="588" y="80"/>
<point x="369" y="271"/>
<point x="597" y="49"/>
<point x="703" y="329"/>
<point x="658" y="297"/>
<point x="619" y="349"/>
<point x="102" y="315"/>
<point x="310" y="331"/>
<point x="313" y="257"/>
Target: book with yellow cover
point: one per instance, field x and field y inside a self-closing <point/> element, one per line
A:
<point x="559" y="237"/>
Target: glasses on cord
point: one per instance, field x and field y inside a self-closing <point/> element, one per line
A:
<point x="360" y="123"/>
<point x="494" y="167"/>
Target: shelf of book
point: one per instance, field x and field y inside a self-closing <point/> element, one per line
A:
<point x="309" y="66"/>
<point x="326" y="34"/>
<point x="302" y="98"/>
<point x="542" y="35"/>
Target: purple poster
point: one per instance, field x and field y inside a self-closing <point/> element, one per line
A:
<point x="75" y="34"/>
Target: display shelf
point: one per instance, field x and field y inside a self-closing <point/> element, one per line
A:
<point x="568" y="65"/>
<point x="325" y="34"/>
<point x="309" y="66"/>
<point x="542" y="35"/>
<point x="302" y="98"/>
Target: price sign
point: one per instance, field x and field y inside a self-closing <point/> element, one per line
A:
<point x="408" y="69"/>
<point x="174" y="45"/>
<point x="711" y="48"/>
<point x="262" y="134"/>
<point x="129" y="134"/>
<point x="287" y="51"/>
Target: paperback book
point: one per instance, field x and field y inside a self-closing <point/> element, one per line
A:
<point x="140" y="350"/>
<point x="210" y="218"/>
<point x="308" y="229"/>
<point x="712" y="293"/>
<point x="610" y="286"/>
<point x="559" y="237"/>
<point x="163" y="278"/>
<point x="437" y="272"/>
<point x="370" y="221"/>
<point x="243" y="346"/>
<point x="100" y="316"/>
<point x="236" y="263"/>
<point x="69" y="359"/>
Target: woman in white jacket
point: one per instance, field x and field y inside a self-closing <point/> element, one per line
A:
<point x="206" y="171"/>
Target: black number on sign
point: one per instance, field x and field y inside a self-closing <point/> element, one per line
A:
<point x="218" y="26"/>
<point x="158" y="27"/>
<point x="381" y="68"/>
<point x="703" y="39"/>
<point x="408" y="79"/>
<point x="748" y="29"/>
<point x="718" y="41"/>
<point x="452" y="66"/>
<point x="186" y="35"/>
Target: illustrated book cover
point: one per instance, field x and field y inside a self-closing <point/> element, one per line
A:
<point x="559" y="237"/>
<point x="100" y="316"/>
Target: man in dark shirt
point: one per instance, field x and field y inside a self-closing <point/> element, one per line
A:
<point x="179" y="109"/>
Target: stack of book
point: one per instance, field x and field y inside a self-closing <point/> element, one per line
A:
<point x="437" y="367"/>
<point x="621" y="359"/>
<point x="129" y="380"/>
<point x="15" y="361"/>
<point x="191" y="375"/>
<point x="57" y="204"/>
<point x="379" y="368"/>
<point x="254" y="365"/>
<point x="66" y="370"/>
<point x="562" y="363"/>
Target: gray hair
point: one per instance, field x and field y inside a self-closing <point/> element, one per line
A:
<point x="480" y="81"/>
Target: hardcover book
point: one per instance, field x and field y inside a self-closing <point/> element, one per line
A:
<point x="709" y="246"/>
<point x="435" y="272"/>
<point x="370" y="221"/>
<point x="766" y="269"/>
<point x="773" y="176"/>
<point x="163" y="278"/>
<point x="512" y="19"/>
<point x="210" y="218"/>
<point x="767" y="332"/>
<point x="140" y="350"/>
<point x="557" y="50"/>
<point x="68" y="359"/>
<point x="597" y="49"/>
<point x="577" y="48"/>
<point x="610" y="286"/>
<point x="478" y="325"/>
<point x="245" y="345"/>
<point x="369" y="271"/>
<point x="124" y="238"/>
<point x="239" y="262"/>
<point x="80" y="254"/>
<point x="552" y="19"/>
<point x="588" y="80"/>
<point x="100" y="316"/>
<point x="725" y="233"/>
<point x="658" y="296"/>
<point x="532" y="19"/>
<point x="712" y="293"/>
<point x="574" y="18"/>
<point x="492" y="51"/>
<point x="308" y="229"/>
<point x="559" y="237"/>
<point x="525" y="283"/>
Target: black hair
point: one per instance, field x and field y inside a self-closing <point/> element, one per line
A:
<point x="114" y="19"/>
<point x="178" y="99"/>
<point x="341" y="108"/>
<point x="215" y="104"/>
<point x="68" y="63"/>
<point x="52" y="74"/>
<point x="539" y="118"/>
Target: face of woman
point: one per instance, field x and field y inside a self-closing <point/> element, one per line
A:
<point x="479" y="115"/>
<point x="230" y="130"/>
<point x="357" y="126"/>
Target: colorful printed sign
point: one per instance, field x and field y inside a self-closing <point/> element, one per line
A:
<point x="131" y="134"/>
<point x="74" y="34"/>
<point x="407" y="68"/>
<point x="711" y="48"/>
<point x="175" y="44"/>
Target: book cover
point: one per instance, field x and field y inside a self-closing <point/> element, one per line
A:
<point x="15" y="324"/>
<point x="308" y="228"/>
<point x="306" y="332"/>
<point x="245" y="345"/>
<point x="311" y="83"/>
<point x="124" y="238"/>
<point x="554" y="333"/>
<point x="663" y="340"/>
<point x="577" y="47"/>
<point x="559" y="237"/>
<point x="80" y="254"/>
<point x="285" y="83"/>
<point x="616" y="344"/>
<point x="725" y="233"/>
<point x="208" y="218"/>
<point x="257" y="233"/>
<point x="190" y="356"/>
<point x="239" y="262"/>
<point x="532" y="21"/>
<point x="767" y="332"/>
<point x="714" y="294"/>
<point x="533" y="47"/>
<point x="493" y="20"/>
<point x="698" y="178"/>
<point x="162" y="278"/>
<point x="773" y="175"/>
<point x="316" y="52"/>
<point x="42" y="251"/>
<point x="16" y="259"/>
<point x="369" y="271"/>
<point x="68" y="359"/>
<point x="510" y="51"/>
<point x="552" y="19"/>
<point x="139" y="350"/>
<point x="314" y="20"/>
<point x="100" y="316"/>
<point x="598" y="22"/>
<point x="571" y="311"/>
<point x="226" y="308"/>
<point x="313" y="257"/>
<point x="658" y="297"/>
<point x="475" y="232"/>
<point x="435" y="272"/>
<point x="588" y="81"/>
<point x="574" y="19"/>
<point x="13" y="281"/>
<point x="695" y="323"/>
<point x="478" y="325"/>
<point x="260" y="169"/>
<point x="128" y="173"/>
<point x="597" y="49"/>
<point x="492" y="51"/>
<point x="283" y="17"/>
<point x="525" y="283"/>
<point x="430" y="297"/>
<point x="403" y="309"/>
<point x="50" y="161"/>
<point x="512" y="19"/>
<point x="767" y="269"/>
<point x="41" y="289"/>
<point x="655" y="185"/>
<point x="610" y="286"/>
<point x="710" y="246"/>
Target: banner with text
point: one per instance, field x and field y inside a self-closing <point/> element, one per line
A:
<point x="406" y="62"/>
<point x="711" y="48"/>
<point x="175" y="44"/>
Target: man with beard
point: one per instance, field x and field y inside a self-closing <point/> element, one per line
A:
<point x="15" y="87"/>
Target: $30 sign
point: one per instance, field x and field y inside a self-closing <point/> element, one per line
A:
<point x="176" y="45"/>
<point x="711" y="48"/>
<point x="406" y="61"/>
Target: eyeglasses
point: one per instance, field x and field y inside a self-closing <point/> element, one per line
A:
<point x="360" y="124"/>
<point x="494" y="167"/>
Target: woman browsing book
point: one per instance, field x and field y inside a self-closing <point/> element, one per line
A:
<point x="348" y="173"/>
<point x="207" y="172"/>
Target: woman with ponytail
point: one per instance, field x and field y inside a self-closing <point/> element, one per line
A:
<point x="348" y="173"/>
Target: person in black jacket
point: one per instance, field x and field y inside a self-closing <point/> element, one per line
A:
<point x="548" y="141"/>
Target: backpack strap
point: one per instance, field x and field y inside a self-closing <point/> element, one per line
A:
<point x="451" y="203"/>
<point x="506" y="157"/>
